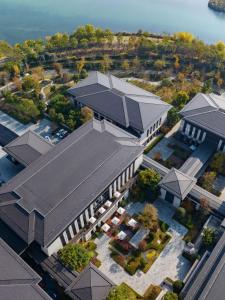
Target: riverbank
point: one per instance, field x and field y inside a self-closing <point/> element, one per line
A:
<point x="217" y="5"/>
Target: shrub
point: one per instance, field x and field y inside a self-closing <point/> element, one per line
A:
<point x="90" y="246"/>
<point x="181" y="213"/>
<point x="152" y="292"/>
<point x="74" y="256"/>
<point x="143" y="245"/>
<point x="151" y="254"/>
<point x="119" y="259"/>
<point x="164" y="227"/>
<point x="170" y="296"/>
<point x="208" y="236"/>
<point x="122" y="292"/>
<point x="177" y="286"/>
<point x="96" y="262"/>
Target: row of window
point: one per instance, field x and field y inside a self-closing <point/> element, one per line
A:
<point x="154" y="127"/>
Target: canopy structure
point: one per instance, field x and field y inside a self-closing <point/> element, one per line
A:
<point x="108" y="203"/>
<point x="121" y="210"/>
<point x="117" y="194"/>
<point x="105" y="227"/>
<point x="132" y="223"/>
<point x="115" y="221"/>
<point x="101" y="210"/>
<point x="92" y="220"/>
<point x="121" y="235"/>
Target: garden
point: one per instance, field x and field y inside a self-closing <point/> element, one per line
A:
<point x="137" y="241"/>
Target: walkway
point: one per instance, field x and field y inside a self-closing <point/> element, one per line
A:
<point x="170" y="263"/>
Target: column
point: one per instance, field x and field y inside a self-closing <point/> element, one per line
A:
<point x="119" y="182"/>
<point x="193" y="132"/>
<point x="65" y="237"/>
<point x="187" y="129"/>
<point x="219" y="145"/>
<point x="203" y="137"/>
<point x="114" y="186"/>
<point x="131" y="171"/>
<point x="163" y="193"/>
<point x="87" y="215"/>
<point x="123" y="178"/>
<point x="110" y="192"/>
<point x="92" y="209"/>
<point x="198" y="135"/>
<point x="82" y="220"/>
<point x="71" y="231"/>
<point x="76" y="226"/>
<point x="127" y="174"/>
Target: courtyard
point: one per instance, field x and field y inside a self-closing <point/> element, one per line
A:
<point x="170" y="263"/>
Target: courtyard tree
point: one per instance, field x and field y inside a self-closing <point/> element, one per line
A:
<point x="218" y="163"/>
<point x="207" y="181"/>
<point x="29" y="83"/>
<point x="181" y="99"/>
<point x="74" y="256"/>
<point x="86" y="114"/>
<point x="58" y="69"/>
<point x="106" y="63"/>
<point x="149" y="217"/>
<point x="172" y="117"/>
<point x="80" y="65"/>
<point x="148" y="181"/>
<point x="204" y="206"/>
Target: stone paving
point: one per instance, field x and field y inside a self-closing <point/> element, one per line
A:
<point x="170" y="263"/>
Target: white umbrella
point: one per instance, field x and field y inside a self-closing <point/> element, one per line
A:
<point x="121" y="235"/>
<point x="121" y="210"/>
<point x="105" y="227"/>
<point x="115" y="221"/>
<point x="101" y="210"/>
<point x="117" y="194"/>
<point x="132" y="223"/>
<point x="108" y="203"/>
<point x="92" y="220"/>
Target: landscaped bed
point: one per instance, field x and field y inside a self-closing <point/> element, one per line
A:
<point x="147" y="247"/>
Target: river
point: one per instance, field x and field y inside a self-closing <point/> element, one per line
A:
<point x="29" y="19"/>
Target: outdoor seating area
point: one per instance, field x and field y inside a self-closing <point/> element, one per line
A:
<point x="133" y="246"/>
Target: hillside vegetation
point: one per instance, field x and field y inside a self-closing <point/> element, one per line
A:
<point x="218" y="5"/>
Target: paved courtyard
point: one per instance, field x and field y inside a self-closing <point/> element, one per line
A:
<point x="170" y="263"/>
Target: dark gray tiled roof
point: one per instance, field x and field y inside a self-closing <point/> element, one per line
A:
<point x="209" y="283"/>
<point x="207" y="112"/>
<point x="120" y="101"/>
<point x="17" y="280"/>
<point x="63" y="182"/>
<point x="91" y="284"/>
<point x="28" y="147"/>
<point x="178" y="183"/>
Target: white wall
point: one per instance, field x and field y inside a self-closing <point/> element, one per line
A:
<point x="138" y="163"/>
<point x="53" y="248"/>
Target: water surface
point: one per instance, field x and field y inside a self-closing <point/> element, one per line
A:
<point x="27" y="19"/>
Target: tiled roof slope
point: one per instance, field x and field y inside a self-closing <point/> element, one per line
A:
<point x="17" y="280"/>
<point x="28" y="147"/>
<point x="207" y="112"/>
<point x="91" y="284"/>
<point x="178" y="183"/>
<point x="119" y="100"/>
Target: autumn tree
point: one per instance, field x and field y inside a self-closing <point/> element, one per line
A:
<point x="149" y="217"/>
<point x="86" y="114"/>
<point x="80" y="65"/>
<point x="106" y="63"/>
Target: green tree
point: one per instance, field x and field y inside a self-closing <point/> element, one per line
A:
<point x="181" y="213"/>
<point x="29" y="83"/>
<point x="125" y="65"/>
<point x="149" y="217"/>
<point x="106" y="63"/>
<point x="170" y="296"/>
<point x="207" y="181"/>
<point x="80" y="65"/>
<point x="181" y="99"/>
<point x="159" y="64"/>
<point x="148" y="181"/>
<point x="177" y="286"/>
<point x="121" y="292"/>
<point x="172" y="117"/>
<point x="218" y="163"/>
<point x="208" y="237"/>
<point x="74" y="256"/>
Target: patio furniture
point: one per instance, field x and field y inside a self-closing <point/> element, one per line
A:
<point x="117" y="194"/>
<point x="115" y="221"/>
<point x="108" y="203"/>
<point x="121" y="210"/>
<point x="121" y="235"/>
<point x="101" y="210"/>
<point x="92" y="220"/>
<point x="105" y="227"/>
<point x="132" y="223"/>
